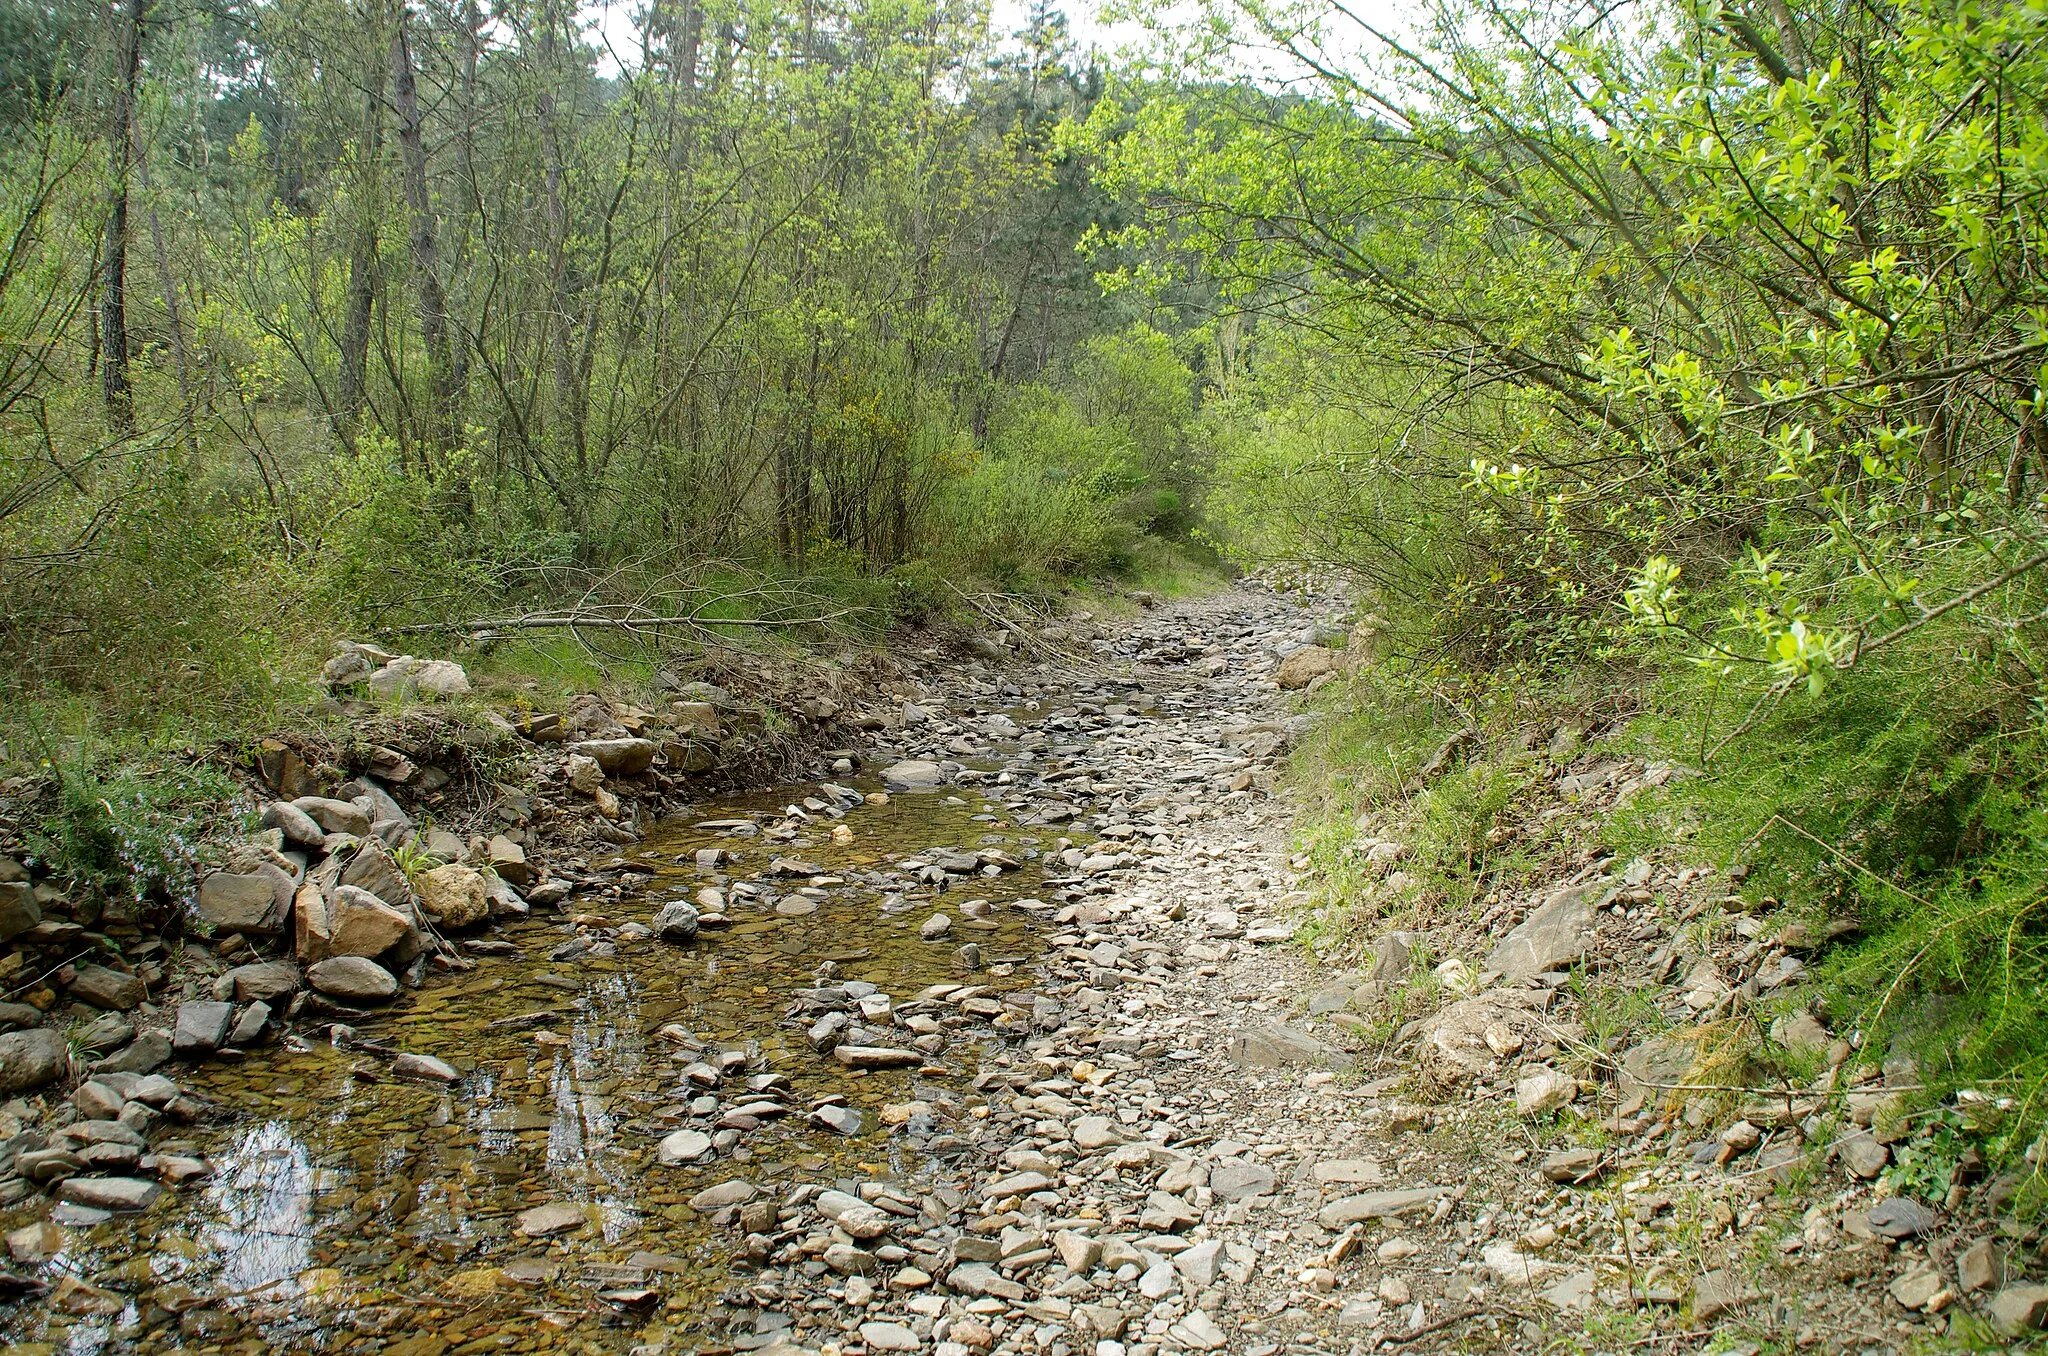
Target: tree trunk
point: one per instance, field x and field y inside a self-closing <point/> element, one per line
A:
<point x="362" y="272"/>
<point x="114" y="386"/>
<point x="433" y="302"/>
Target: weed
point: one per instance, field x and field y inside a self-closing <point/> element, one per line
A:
<point x="129" y="836"/>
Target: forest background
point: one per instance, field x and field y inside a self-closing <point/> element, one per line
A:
<point x="1679" y="364"/>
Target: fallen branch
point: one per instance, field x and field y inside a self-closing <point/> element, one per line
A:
<point x="578" y="620"/>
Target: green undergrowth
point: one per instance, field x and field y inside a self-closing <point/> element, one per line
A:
<point x="1900" y="810"/>
<point x="1897" y="818"/>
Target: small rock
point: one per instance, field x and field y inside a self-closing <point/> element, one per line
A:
<point x="1304" y="666"/>
<point x="425" y="1067"/>
<point x="1096" y="1132"/>
<point x="1543" y="1090"/>
<point x="976" y="1278"/>
<point x="1201" y="1264"/>
<point x="35" y="1243"/>
<point x="875" y="1057"/>
<point x="1919" y="1288"/>
<point x="935" y="927"/>
<point x="684" y="1146"/>
<point x="455" y="896"/>
<point x="1572" y="1166"/>
<point x="1241" y="1181"/>
<point x="545" y="1221"/>
<point x="843" y="1120"/>
<point x="253" y="902"/>
<point x="1862" y="1155"/>
<point x="1275" y="1044"/>
<point x="2018" y="1307"/>
<point x="913" y="775"/>
<point x="1719" y="1291"/>
<point x="107" y="988"/>
<point x="848" y="1260"/>
<point x="18" y="908"/>
<point x="264" y="983"/>
<point x="296" y="825"/>
<point x="29" y="1059"/>
<point x="1981" y="1265"/>
<point x="1378" y="1205"/>
<point x="1078" y="1252"/>
<point x="889" y="1337"/>
<point x="1900" y="1217"/>
<point x="713" y="1199"/>
<point x="250" y="1026"/>
<point x="1198" y="1330"/>
<point x="618" y="757"/>
<point x="1553" y="937"/>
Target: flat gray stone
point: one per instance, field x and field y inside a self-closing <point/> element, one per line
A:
<point x="715" y="1198"/>
<point x="913" y="775"/>
<point x="148" y="1052"/>
<point x="1275" y="1044"/>
<point x="202" y="1028"/>
<point x="425" y="1067"/>
<point x="1899" y="1217"/>
<point x="684" y="1146"/>
<point x="108" y="988"/>
<point x="123" y="1194"/>
<point x="2018" y="1307"/>
<point x="265" y="983"/>
<point x="545" y="1221"/>
<point x="889" y="1337"/>
<point x="1554" y="936"/>
<point x="254" y="902"/>
<point x="1241" y="1181"/>
<point x="977" y="1278"/>
<point x="1378" y="1205"/>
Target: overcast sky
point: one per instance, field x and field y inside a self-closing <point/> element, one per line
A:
<point x="613" y="24"/>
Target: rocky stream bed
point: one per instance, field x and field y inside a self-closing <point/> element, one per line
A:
<point x="987" y="1040"/>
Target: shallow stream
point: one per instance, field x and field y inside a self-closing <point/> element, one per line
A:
<point x="347" y="1204"/>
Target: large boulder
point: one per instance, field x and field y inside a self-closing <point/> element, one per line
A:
<point x="250" y="902"/>
<point x="29" y="1059"/>
<point x="266" y="982"/>
<point x="361" y="924"/>
<point x="454" y="896"/>
<point x="618" y="757"/>
<point x="1304" y="666"/>
<point x="913" y="775"/>
<point x="1554" y="936"/>
<point x="106" y="988"/>
<point x="407" y="676"/>
<point x="353" y="979"/>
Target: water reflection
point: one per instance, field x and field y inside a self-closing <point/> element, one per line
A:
<point x="261" y="1201"/>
